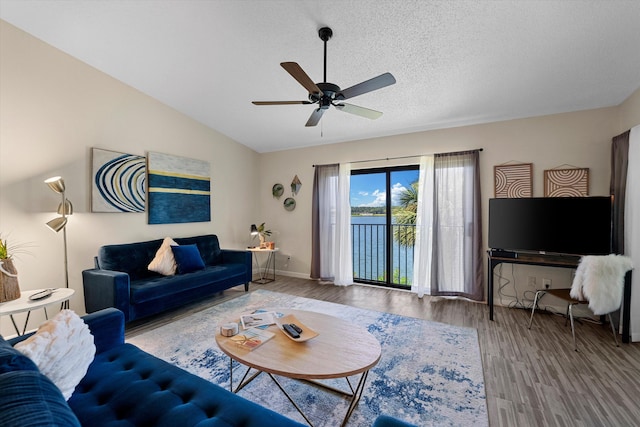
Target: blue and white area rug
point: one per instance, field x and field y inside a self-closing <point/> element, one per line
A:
<point x="430" y="374"/>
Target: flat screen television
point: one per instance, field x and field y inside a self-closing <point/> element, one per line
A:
<point x="559" y="225"/>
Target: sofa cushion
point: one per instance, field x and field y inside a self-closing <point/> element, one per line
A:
<point x="208" y="245"/>
<point x="130" y="258"/>
<point x="165" y="286"/>
<point x="62" y="348"/>
<point x="29" y="398"/>
<point x="188" y="258"/>
<point x="164" y="262"/>
<point x="13" y="360"/>
<point x="127" y="386"/>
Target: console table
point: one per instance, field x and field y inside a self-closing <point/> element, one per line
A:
<point x="563" y="261"/>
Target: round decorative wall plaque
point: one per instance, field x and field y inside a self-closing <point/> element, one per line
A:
<point x="277" y="190"/>
<point x="289" y="204"/>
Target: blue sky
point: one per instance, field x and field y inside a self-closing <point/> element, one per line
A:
<point x="369" y="190"/>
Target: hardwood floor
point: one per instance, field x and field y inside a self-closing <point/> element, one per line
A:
<point x="532" y="377"/>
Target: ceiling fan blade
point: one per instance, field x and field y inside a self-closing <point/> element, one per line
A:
<point x="359" y="111"/>
<point x="375" y="83"/>
<point x="280" y="102"/>
<point x="315" y="117"/>
<point x="298" y="73"/>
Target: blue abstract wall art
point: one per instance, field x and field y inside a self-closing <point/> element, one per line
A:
<point x="118" y="182"/>
<point x="179" y="189"/>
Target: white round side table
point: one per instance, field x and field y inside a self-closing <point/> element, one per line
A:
<point x="22" y="304"/>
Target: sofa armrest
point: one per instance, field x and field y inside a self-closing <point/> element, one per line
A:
<point x="237" y="256"/>
<point x="106" y="288"/>
<point x="107" y="328"/>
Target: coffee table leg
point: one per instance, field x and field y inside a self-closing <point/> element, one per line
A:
<point x="231" y="375"/>
<point x="356" y="396"/>
<point x="291" y="400"/>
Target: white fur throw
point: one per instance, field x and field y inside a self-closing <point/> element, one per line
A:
<point x="63" y="349"/>
<point x="164" y="262"/>
<point x="600" y="280"/>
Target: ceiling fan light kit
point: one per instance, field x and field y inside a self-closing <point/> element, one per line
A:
<point x="326" y="94"/>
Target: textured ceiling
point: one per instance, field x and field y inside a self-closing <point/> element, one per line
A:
<point x="455" y="62"/>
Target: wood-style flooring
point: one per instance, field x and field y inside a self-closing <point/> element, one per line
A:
<point x="532" y="377"/>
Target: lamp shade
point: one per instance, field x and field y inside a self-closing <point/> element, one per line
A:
<point x="56" y="183"/>
<point x="57" y="224"/>
<point x="254" y="230"/>
<point x="68" y="208"/>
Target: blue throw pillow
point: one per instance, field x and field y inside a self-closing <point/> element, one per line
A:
<point x="188" y="258"/>
<point x="13" y="360"/>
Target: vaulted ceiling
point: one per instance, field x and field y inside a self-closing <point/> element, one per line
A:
<point x="455" y="62"/>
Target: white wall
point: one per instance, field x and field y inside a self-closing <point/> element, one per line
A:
<point x="53" y="109"/>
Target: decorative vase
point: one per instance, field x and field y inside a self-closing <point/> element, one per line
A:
<point x="9" y="289"/>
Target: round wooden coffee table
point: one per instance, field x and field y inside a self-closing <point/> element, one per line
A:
<point x="340" y="350"/>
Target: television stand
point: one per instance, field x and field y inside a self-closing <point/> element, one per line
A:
<point x="554" y="260"/>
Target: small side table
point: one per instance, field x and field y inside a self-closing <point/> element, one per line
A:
<point x="268" y="272"/>
<point x="23" y="304"/>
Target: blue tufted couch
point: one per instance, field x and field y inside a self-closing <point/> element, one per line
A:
<point x="125" y="386"/>
<point x="122" y="280"/>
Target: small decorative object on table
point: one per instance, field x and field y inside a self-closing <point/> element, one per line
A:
<point x="9" y="288"/>
<point x="261" y="234"/>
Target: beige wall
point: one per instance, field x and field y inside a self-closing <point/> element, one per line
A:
<point x="53" y="109"/>
<point x="580" y="139"/>
<point x="629" y="113"/>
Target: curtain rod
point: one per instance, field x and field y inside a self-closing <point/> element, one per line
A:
<point x="409" y="157"/>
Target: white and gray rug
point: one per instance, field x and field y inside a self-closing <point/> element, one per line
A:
<point x="430" y="374"/>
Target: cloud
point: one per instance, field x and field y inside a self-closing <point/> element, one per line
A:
<point x="396" y="190"/>
<point x="380" y="197"/>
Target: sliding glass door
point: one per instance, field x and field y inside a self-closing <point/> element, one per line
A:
<point x="383" y="213"/>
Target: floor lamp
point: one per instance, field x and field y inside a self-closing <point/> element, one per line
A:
<point x="65" y="208"/>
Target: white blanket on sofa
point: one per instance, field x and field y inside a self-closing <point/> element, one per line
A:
<point x="600" y="280"/>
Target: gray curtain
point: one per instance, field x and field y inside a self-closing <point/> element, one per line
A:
<point x="618" y="187"/>
<point x="458" y="216"/>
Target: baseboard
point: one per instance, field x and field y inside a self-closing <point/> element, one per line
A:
<point x="292" y="274"/>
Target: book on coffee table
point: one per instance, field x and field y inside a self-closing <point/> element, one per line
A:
<point x="257" y="318"/>
<point x="252" y="338"/>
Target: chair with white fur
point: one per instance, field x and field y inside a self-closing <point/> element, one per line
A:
<point x="598" y="282"/>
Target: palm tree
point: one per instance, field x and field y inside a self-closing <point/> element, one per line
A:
<point x="406" y="215"/>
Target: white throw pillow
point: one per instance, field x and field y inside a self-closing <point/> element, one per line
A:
<point x="63" y="349"/>
<point x="164" y="262"/>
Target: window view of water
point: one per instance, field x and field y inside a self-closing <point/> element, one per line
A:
<point x="382" y="252"/>
<point x="369" y="240"/>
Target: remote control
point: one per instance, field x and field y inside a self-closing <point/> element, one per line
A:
<point x="288" y="329"/>
<point x="297" y="328"/>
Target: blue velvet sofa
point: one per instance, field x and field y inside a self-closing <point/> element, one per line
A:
<point x="125" y="386"/>
<point x="122" y="280"/>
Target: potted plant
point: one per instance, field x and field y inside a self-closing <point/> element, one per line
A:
<point x="262" y="233"/>
<point x="9" y="289"/>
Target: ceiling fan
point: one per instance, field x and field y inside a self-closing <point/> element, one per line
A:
<point x="326" y="94"/>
